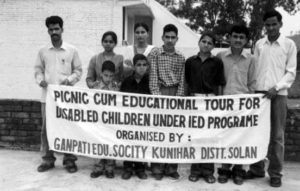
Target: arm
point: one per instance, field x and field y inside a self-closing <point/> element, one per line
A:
<point x="76" y="69"/>
<point x="153" y="81"/>
<point x="91" y="73"/>
<point x="290" y="69"/>
<point x="39" y="71"/>
<point x="180" y="90"/>
<point x="251" y="75"/>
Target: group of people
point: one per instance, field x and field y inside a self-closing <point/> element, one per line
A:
<point x="164" y="70"/>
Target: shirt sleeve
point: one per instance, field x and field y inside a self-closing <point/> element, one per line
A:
<point x="91" y="73"/>
<point x="290" y="69"/>
<point x="76" y="69"/>
<point x="251" y="75"/>
<point x="180" y="91"/>
<point x="39" y="68"/>
<point x="221" y="81"/>
<point x="153" y="82"/>
<point x="187" y="71"/>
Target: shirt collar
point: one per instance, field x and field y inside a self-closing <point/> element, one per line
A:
<point x="229" y="52"/>
<point x="210" y="56"/>
<point x="279" y="41"/>
<point x="63" y="46"/>
<point x="162" y="50"/>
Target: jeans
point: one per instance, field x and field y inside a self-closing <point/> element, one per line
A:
<point x="276" y="145"/>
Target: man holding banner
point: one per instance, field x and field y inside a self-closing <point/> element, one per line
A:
<point x="276" y="71"/>
<point x="57" y="63"/>
<point x="204" y="75"/>
<point x="166" y="78"/>
<point x="240" y="79"/>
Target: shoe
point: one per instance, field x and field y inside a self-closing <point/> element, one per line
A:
<point x="96" y="174"/>
<point x="210" y="179"/>
<point x="70" y="166"/>
<point x="173" y="175"/>
<point x="275" y="182"/>
<point x="126" y="175"/>
<point x="194" y="178"/>
<point x="109" y="174"/>
<point x="45" y="166"/>
<point x="251" y="175"/>
<point x="141" y="175"/>
<point x="222" y="178"/>
<point x="158" y="176"/>
<point x="238" y="180"/>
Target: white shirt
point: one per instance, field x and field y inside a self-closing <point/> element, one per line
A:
<point x="54" y="65"/>
<point x="276" y="64"/>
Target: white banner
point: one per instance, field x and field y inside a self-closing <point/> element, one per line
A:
<point x="114" y="125"/>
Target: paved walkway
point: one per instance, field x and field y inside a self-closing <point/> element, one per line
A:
<point x="18" y="172"/>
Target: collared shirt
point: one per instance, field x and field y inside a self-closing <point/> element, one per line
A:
<point x="204" y="77"/>
<point x="54" y="65"/>
<point x="112" y="86"/>
<point x="131" y="85"/>
<point x="239" y="72"/>
<point x="276" y="64"/>
<point x="95" y="68"/>
<point x="167" y="69"/>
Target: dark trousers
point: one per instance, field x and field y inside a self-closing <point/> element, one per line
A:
<point x="276" y="145"/>
<point x="131" y="166"/>
<point x="48" y="155"/>
<point x="202" y="169"/>
<point x="165" y="168"/>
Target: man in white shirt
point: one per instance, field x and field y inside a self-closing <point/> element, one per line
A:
<point x="275" y="72"/>
<point x="57" y="63"/>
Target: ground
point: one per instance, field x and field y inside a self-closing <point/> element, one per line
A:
<point x="18" y="172"/>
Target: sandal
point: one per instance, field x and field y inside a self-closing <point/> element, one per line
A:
<point x="70" y="166"/>
<point x="210" y="179"/>
<point x="193" y="178"/>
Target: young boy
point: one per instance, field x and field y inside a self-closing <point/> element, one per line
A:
<point x="138" y="82"/>
<point x="205" y="77"/>
<point x="239" y="74"/>
<point x="106" y="82"/>
<point x="166" y="78"/>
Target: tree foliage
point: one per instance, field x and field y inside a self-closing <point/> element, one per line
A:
<point x="220" y="15"/>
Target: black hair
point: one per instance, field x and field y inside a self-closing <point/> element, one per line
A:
<point x="240" y="29"/>
<point x="108" y="65"/>
<point x="209" y="34"/>
<point x="170" y="28"/>
<point x="112" y="34"/>
<point x="54" y="20"/>
<point x="141" y="25"/>
<point x="138" y="57"/>
<point x="272" y="13"/>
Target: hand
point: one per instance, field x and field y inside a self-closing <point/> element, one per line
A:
<point x="271" y="93"/>
<point x="43" y="84"/>
<point x="128" y="63"/>
<point x="65" y="82"/>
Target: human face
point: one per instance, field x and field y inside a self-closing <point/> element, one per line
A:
<point x="141" y="35"/>
<point x="206" y="44"/>
<point x="107" y="76"/>
<point x="141" y="67"/>
<point x="169" y="39"/>
<point x="108" y="43"/>
<point x="273" y="26"/>
<point x="238" y="40"/>
<point x="55" y="32"/>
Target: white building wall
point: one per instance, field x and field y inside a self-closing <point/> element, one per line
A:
<point x="23" y="32"/>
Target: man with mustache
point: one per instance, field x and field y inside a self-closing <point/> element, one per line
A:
<point x="239" y="73"/>
<point x="57" y="63"/>
<point x="166" y="78"/>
